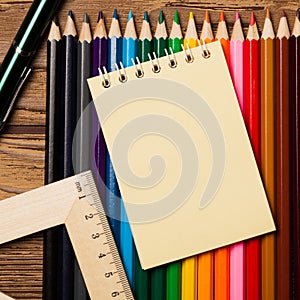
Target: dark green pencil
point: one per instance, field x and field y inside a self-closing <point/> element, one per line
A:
<point x="160" y="41"/>
<point x="142" y="278"/>
<point x="158" y="275"/>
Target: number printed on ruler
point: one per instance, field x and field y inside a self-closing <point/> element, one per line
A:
<point x="94" y="245"/>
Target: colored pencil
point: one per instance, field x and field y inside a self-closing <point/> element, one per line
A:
<point x="173" y="280"/>
<point x="206" y="33"/>
<point x="112" y="193"/>
<point x="98" y="148"/>
<point x="160" y="41"/>
<point x="142" y="277"/>
<point x="295" y="155"/>
<point x="176" y="38"/>
<point x="222" y="255"/>
<point x="158" y="274"/>
<point x="205" y="262"/>
<point x="237" y="251"/>
<point x="83" y="127"/>
<point x="222" y="36"/>
<point x="126" y="241"/>
<point x="252" y="121"/>
<point x="68" y="113"/>
<point x="267" y="150"/>
<point x="191" y="35"/>
<point x="189" y="265"/>
<point x="51" y="236"/>
<point x="282" y="161"/>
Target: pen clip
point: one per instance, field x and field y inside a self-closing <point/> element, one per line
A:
<point x="21" y="81"/>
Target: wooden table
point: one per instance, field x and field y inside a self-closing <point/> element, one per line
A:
<point x="22" y="144"/>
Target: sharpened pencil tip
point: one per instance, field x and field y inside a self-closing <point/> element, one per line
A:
<point x="146" y="16"/>
<point x="252" y="19"/>
<point x="207" y="19"/>
<point x="70" y="14"/>
<point x="298" y="14"/>
<point x="100" y="16"/>
<point x="191" y="15"/>
<point x="85" y="18"/>
<point x="176" y="17"/>
<point x="115" y="15"/>
<point x="283" y="15"/>
<point x="237" y="16"/>
<point x="161" y="17"/>
<point x="222" y="16"/>
<point x="55" y="20"/>
<point x="268" y="16"/>
<point x="130" y="15"/>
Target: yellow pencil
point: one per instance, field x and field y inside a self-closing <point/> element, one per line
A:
<point x="189" y="265"/>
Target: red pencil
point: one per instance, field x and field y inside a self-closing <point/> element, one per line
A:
<point x="252" y="121"/>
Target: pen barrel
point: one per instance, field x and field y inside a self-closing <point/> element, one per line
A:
<point x="13" y="72"/>
<point x="35" y="23"/>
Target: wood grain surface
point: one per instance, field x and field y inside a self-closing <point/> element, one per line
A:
<point x="22" y="144"/>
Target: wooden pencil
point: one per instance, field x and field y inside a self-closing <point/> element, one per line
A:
<point x="237" y="251"/>
<point x="67" y="114"/>
<point x="99" y="151"/>
<point x="173" y="276"/>
<point x="51" y="236"/>
<point x="189" y="265"/>
<point x="222" y="255"/>
<point x="142" y="277"/>
<point x="267" y="150"/>
<point x="160" y="41"/>
<point x="295" y="155"/>
<point x="112" y="204"/>
<point x="205" y="262"/>
<point x="222" y="36"/>
<point x="282" y="161"/>
<point x="252" y="121"/>
<point x="158" y="274"/>
<point x="83" y="126"/>
<point x="206" y="33"/>
<point x="127" y="247"/>
<point x="176" y="38"/>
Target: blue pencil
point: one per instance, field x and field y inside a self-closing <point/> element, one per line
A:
<point x="126" y="242"/>
<point x="113" y="193"/>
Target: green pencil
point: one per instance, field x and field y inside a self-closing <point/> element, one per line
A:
<point x="158" y="275"/>
<point x="160" y="42"/>
<point x="173" y="284"/>
<point x="176" y="37"/>
<point x="142" y="278"/>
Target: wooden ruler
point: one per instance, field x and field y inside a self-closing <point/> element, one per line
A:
<point x="74" y="202"/>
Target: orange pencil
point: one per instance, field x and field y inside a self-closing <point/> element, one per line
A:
<point x="268" y="151"/>
<point x="206" y="260"/>
<point x="222" y="255"/>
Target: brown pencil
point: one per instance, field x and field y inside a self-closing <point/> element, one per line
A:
<point x="267" y="150"/>
<point x="282" y="161"/>
<point x="295" y="155"/>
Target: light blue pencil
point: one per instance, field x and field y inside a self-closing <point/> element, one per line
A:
<point x="126" y="242"/>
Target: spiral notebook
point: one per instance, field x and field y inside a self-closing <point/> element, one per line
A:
<point x="181" y="154"/>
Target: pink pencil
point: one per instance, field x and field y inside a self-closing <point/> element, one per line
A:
<point x="237" y="251"/>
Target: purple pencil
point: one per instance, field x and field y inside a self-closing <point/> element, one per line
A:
<point x="99" y="149"/>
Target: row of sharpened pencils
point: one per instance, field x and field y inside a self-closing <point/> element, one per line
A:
<point x="265" y="71"/>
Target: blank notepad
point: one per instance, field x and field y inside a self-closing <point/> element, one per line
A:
<point x="182" y="157"/>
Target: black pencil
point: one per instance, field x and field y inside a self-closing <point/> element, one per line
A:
<point x="65" y="278"/>
<point x="83" y="126"/>
<point x="51" y="237"/>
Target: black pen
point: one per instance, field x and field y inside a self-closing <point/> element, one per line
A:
<point x="16" y="64"/>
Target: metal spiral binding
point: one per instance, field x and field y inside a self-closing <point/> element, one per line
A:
<point x="105" y="81"/>
<point x="122" y="73"/>
<point x="156" y="68"/>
